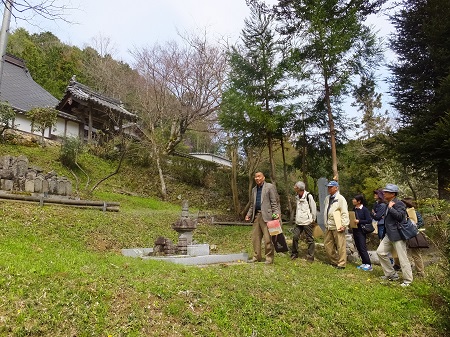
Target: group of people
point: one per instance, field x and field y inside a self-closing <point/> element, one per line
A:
<point x="387" y="211"/>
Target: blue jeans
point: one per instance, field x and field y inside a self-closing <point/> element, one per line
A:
<point x="381" y="232"/>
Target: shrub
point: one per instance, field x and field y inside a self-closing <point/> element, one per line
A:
<point x="437" y="216"/>
<point x="192" y="171"/>
<point x="71" y="147"/>
<point x="7" y="114"/>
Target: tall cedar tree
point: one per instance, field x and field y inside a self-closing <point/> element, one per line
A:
<point x="252" y="104"/>
<point x="330" y="36"/>
<point x="421" y="83"/>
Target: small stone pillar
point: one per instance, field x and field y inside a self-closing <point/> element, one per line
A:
<point x="323" y="192"/>
<point x="68" y="187"/>
<point x="52" y="185"/>
<point x="21" y="165"/>
<point x="38" y="184"/>
<point x="29" y="185"/>
<point x="45" y="187"/>
<point x="7" y="184"/>
<point x="61" y="187"/>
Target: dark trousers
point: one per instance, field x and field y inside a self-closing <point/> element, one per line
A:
<point x="360" y="242"/>
<point x="297" y="231"/>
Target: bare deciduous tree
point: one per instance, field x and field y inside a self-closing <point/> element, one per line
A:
<point x="181" y="85"/>
<point x="28" y="9"/>
<point x="152" y="107"/>
<point x="107" y="75"/>
<point x="187" y="79"/>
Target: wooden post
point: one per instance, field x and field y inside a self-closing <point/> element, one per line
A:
<point x="90" y="126"/>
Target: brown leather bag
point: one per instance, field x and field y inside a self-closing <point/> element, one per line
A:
<point x="419" y="241"/>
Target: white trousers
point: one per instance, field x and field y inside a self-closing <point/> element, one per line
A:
<point x="386" y="246"/>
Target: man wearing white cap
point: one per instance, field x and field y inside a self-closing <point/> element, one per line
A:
<point x="395" y="213"/>
<point x="305" y="215"/>
<point x="336" y="221"/>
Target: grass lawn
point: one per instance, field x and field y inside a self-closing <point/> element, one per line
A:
<point x="62" y="274"/>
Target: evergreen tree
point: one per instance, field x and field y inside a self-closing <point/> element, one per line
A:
<point x="420" y="83"/>
<point x="252" y="106"/>
<point x="50" y="62"/>
<point x="368" y="101"/>
<point x="332" y="40"/>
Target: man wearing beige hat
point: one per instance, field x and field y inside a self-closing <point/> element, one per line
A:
<point x="395" y="213"/>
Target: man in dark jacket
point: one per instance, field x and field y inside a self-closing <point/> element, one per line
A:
<point x="395" y="213"/>
<point x="263" y="208"/>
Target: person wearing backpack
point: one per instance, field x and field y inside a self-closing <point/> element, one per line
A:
<point x="305" y="215"/>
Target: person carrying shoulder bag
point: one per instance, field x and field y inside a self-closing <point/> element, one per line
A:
<point x="395" y="213"/>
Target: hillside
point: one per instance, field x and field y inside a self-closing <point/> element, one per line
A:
<point x="131" y="180"/>
<point x="62" y="274"/>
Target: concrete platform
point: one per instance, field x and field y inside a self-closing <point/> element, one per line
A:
<point x="200" y="260"/>
<point x="136" y="252"/>
<point x="185" y="259"/>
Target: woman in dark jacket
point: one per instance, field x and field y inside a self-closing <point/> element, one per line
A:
<point x="363" y="217"/>
<point x="378" y="211"/>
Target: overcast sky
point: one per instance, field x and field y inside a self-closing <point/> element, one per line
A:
<point x="139" y="23"/>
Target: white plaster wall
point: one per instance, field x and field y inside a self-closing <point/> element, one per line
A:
<point x="66" y="129"/>
<point x="22" y="123"/>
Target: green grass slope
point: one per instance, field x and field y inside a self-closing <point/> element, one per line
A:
<point x="62" y="274"/>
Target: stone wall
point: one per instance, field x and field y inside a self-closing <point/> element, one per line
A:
<point x="17" y="175"/>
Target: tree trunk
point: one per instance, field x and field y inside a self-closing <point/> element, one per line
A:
<point x="234" y="187"/>
<point x="160" y="172"/>
<point x="122" y="156"/>
<point x="43" y="138"/>
<point x="271" y="161"/>
<point x="253" y="160"/>
<point x="443" y="172"/>
<point x="245" y="209"/>
<point x="332" y="131"/>
<point x="304" y="162"/>
<point x="408" y="181"/>
<point x="90" y="126"/>
<point x="286" y="183"/>
<point x="156" y="155"/>
<point x="176" y="132"/>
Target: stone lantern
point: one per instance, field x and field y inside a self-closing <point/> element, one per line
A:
<point x="185" y="225"/>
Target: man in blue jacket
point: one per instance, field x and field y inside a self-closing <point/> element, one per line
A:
<point x="395" y="213"/>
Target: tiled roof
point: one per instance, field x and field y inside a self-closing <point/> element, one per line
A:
<point x="84" y="93"/>
<point x="20" y="90"/>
